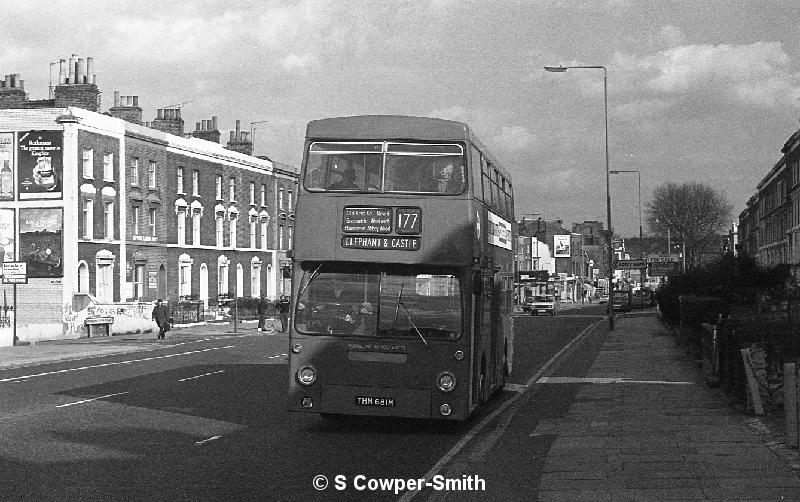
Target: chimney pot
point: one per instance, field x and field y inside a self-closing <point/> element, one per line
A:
<point x="232" y="135"/>
<point x="160" y="113"/>
<point x="136" y="101"/>
<point x="214" y="123"/>
<point x="71" y="78"/>
<point x="197" y="126"/>
<point x="116" y="98"/>
<point x="90" y="69"/>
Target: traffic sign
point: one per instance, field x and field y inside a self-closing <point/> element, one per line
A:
<point x="630" y="264"/>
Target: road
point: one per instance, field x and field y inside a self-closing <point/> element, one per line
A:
<point x="206" y="420"/>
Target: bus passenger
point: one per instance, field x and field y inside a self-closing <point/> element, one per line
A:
<point x="348" y="181"/>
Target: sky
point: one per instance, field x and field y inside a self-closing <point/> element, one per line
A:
<point x="697" y="91"/>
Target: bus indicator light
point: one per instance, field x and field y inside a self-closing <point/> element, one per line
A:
<point x="307" y="402"/>
<point x="446" y="381"/>
<point x="445" y="409"/>
<point x="297" y="348"/>
<point x="306" y="375"/>
<point x="459" y="355"/>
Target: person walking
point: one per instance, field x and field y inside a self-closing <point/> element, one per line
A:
<point x="161" y="317"/>
<point x="283" y="310"/>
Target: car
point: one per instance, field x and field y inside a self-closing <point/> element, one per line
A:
<point x="603" y="298"/>
<point x="622" y="300"/>
<point x="541" y="304"/>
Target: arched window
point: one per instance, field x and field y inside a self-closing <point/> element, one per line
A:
<point x="104" y="278"/>
<point x="222" y="275"/>
<point x="255" y="277"/>
<point x="83" y="278"/>
<point x="185" y="275"/>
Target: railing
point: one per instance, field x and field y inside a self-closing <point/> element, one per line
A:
<point x="186" y="312"/>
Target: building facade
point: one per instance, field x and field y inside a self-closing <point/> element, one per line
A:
<point x="99" y="205"/>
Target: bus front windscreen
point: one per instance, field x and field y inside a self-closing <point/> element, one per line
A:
<point x="404" y="302"/>
<point x="389" y="167"/>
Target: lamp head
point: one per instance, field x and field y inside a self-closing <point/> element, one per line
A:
<point x="555" y="69"/>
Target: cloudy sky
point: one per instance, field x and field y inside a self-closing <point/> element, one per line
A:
<point x="701" y="91"/>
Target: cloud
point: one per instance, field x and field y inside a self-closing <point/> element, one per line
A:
<point x="757" y="74"/>
<point x="672" y="36"/>
<point x="513" y="139"/>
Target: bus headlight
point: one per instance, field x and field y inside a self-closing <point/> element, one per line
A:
<point x="297" y="348"/>
<point x="445" y="409"/>
<point x="307" y="375"/>
<point x="446" y="381"/>
<point x="459" y="355"/>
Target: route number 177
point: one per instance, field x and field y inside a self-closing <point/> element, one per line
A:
<point x="408" y="221"/>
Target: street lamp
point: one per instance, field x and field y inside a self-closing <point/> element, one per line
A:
<point x="641" y="240"/>
<point x="563" y="69"/>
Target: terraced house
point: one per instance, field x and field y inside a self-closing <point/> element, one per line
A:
<point x="126" y="211"/>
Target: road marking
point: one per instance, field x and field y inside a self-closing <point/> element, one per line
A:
<point x="89" y="400"/>
<point x="409" y="495"/>
<point x="105" y="365"/>
<point x="607" y="380"/>
<point x="515" y="387"/>
<point x="212" y="438"/>
<point x="201" y="376"/>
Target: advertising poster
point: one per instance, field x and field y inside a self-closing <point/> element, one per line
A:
<point x="561" y="246"/>
<point x="6" y="235"/>
<point x="6" y="166"/>
<point x="40" y="165"/>
<point x="40" y="242"/>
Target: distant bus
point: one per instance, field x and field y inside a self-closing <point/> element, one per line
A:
<point x="402" y="270"/>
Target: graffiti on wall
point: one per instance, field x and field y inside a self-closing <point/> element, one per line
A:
<point x="128" y="317"/>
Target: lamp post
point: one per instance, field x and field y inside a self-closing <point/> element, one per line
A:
<point x="641" y="239"/>
<point x="563" y="69"/>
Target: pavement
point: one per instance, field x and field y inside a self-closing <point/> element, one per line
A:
<point x="643" y="424"/>
<point x="51" y="351"/>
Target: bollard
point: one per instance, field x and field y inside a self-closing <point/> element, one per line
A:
<point x="790" y="399"/>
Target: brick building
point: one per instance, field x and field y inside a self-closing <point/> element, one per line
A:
<point x="130" y="211"/>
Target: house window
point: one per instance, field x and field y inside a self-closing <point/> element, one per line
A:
<point x="136" y="215"/>
<point x="253" y="229"/>
<point x="232" y="189"/>
<point x="263" y="195"/>
<point x="135" y="171"/>
<point x="138" y="281"/>
<point x="196" y="228"/>
<point x="196" y="182"/>
<point x="280" y="198"/>
<point x="232" y="230"/>
<point x="152" y="223"/>
<point x="180" y="180"/>
<point x="219" y="230"/>
<point x="289" y="196"/>
<point x="184" y="275"/>
<point x="252" y="193"/>
<point x="263" y="234"/>
<point x="219" y="187"/>
<point x="88" y="218"/>
<point x="280" y="237"/>
<point x="108" y="167"/>
<point x="151" y="174"/>
<point x="222" y="277"/>
<point x="108" y="219"/>
<point x="181" y="227"/>
<point x="87" y="164"/>
<point x="291" y="233"/>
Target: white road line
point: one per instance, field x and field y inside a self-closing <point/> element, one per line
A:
<point x="607" y="380"/>
<point x="89" y="400"/>
<point x="201" y="376"/>
<point x="212" y="438"/>
<point x="105" y="365"/>
<point x="409" y="495"/>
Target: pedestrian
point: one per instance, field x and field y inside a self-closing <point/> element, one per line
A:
<point x="283" y="309"/>
<point x="263" y="305"/>
<point x="161" y="317"/>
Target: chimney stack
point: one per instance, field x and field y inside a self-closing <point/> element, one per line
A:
<point x="207" y="130"/>
<point x="75" y="87"/>
<point x="239" y="141"/>
<point x="169" y="120"/>
<point x="126" y="108"/>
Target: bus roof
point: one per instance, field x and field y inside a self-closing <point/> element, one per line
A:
<point x="396" y="127"/>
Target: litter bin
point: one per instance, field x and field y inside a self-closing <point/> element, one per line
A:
<point x="99" y="325"/>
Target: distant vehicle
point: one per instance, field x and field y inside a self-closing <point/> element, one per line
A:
<point x="542" y="304"/>
<point x="622" y="300"/>
<point x="603" y="298"/>
<point x="642" y="299"/>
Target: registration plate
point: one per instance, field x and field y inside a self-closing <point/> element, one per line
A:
<point x="381" y="402"/>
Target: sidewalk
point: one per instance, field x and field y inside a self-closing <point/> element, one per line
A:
<point x="65" y="350"/>
<point x="661" y="435"/>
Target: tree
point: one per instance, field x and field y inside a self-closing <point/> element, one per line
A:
<point x="693" y="212"/>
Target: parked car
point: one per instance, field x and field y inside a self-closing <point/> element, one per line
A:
<point x="542" y="304"/>
<point x="622" y="300"/>
<point x="602" y="298"/>
<point x="642" y="299"/>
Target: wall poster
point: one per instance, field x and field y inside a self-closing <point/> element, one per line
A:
<point x="40" y="241"/>
<point x="561" y="243"/>
<point x="7" y="166"/>
<point x="7" y="235"/>
<point x="40" y="165"/>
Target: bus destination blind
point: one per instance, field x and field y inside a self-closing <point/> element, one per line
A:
<point x="405" y="222"/>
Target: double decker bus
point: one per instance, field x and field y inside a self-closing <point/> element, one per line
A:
<point x="402" y="286"/>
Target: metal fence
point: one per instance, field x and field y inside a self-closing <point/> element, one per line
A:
<point x="186" y="312"/>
